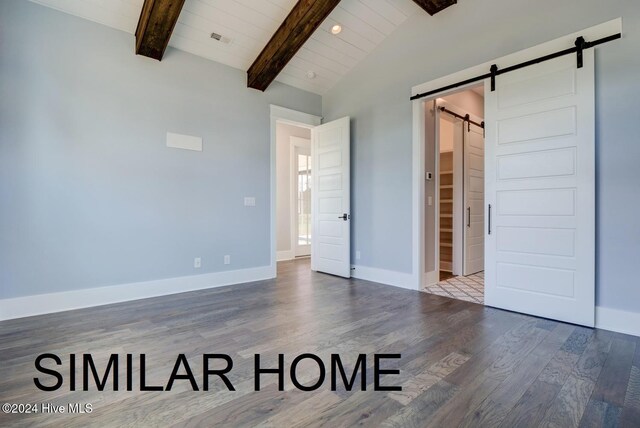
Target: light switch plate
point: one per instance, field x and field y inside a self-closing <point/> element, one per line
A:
<point x="249" y="201"/>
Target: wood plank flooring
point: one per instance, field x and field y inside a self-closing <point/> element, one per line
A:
<point x="462" y="364"/>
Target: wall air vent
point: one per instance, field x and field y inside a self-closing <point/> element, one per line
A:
<point x="220" y="38"/>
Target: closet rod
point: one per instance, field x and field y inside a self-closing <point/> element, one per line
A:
<point x="580" y="45"/>
<point x="465" y="118"/>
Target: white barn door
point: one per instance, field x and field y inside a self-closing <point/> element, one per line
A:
<point x="473" y="198"/>
<point x="540" y="191"/>
<point x="330" y="196"/>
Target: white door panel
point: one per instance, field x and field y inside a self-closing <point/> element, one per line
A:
<point x="540" y="169"/>
<point x="473" y="137"/>
<point x="330" y="154"/>
<point x="551" y="80"/>
<point x="547" y="124"/>
<point x="538" y="164"/>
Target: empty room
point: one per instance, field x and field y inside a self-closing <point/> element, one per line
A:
<point x="301" y="213"/>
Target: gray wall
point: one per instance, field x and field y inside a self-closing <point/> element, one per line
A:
<point x="375" y="94"/>
<point x="89" y="194"/>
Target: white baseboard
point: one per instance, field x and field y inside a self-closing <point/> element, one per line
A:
<point x="431" y="278"/>
<point x="285" y="255"/>
<point x="606" y="318"/>
<point x="618" y="320"/>
<point x="19" y="307"/>
<point x="388" y="277"/>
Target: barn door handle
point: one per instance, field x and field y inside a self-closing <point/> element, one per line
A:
<point x="489" y="219"/>
<point x="468" y="216"/>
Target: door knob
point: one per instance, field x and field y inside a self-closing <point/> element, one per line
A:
<point x="345" y="217"/>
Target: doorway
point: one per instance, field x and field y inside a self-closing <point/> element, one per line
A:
<point x="321" y="176"/>
<point x="457" y="153"/>
<point x="539" y="184"/>
<point x="285" y="123"/>
<point x="301" y="196"/>
<point x="293" y="199"/>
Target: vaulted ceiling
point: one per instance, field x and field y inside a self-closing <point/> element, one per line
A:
<point x="246" y="26"/>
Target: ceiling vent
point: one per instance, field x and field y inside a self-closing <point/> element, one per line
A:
<point x="220" y="38"/>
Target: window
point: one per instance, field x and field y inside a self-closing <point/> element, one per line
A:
<point x="304" y="199"/>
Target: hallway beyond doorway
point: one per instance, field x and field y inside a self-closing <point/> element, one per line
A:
<point x="469" y="288"/>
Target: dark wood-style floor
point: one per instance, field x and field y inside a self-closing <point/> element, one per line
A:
<point x="462" y="364"/>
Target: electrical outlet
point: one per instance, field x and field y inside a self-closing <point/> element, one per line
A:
<point x="227" y="260"/>
<point x="357" y="255"/>
<point x="197" y="262"/>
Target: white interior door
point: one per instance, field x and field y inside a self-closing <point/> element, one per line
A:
<point x="473" y="198"/>
<point x="331" y="203"/>
<point x="540" y="190"/>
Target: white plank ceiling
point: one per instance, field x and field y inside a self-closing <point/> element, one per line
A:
<point x="251" y="23"/>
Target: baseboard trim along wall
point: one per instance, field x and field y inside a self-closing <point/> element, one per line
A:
<point x="382" y="276"/>
<point x="26" y="306"/>
<point x="285" y="255"/>
<point x="431" y="278"/>
<point x="606" y="318"/>
<point x="618" y="320"/>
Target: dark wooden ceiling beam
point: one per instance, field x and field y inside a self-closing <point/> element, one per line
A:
<point x="434" y="6"/>
<point x="305" y="17"/>
<point x="156" y="23"/>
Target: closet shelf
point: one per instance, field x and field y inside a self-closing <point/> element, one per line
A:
<point x="445" y="212"/>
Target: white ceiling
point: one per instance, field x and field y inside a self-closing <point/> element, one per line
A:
<point x="251" y="23"/>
